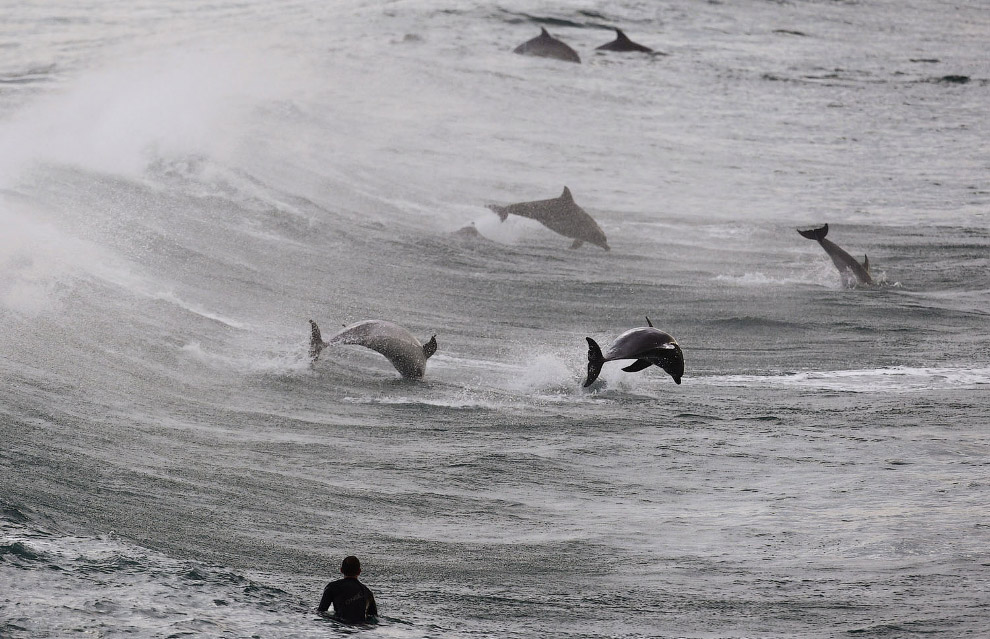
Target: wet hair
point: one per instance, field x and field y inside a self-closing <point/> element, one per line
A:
<point x="351" y="567"/>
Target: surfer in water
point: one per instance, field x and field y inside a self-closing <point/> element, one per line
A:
<point x="353" y="602"/>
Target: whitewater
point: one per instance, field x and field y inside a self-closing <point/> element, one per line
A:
<point x="183" y="186"/>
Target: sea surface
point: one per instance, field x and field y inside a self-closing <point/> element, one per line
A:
<point x="183" y="185"/>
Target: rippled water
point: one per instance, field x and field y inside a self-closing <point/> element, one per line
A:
<point x="182" y="187"/>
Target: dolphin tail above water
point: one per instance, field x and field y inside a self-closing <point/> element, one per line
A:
<point x="595" y="362"/>
<point x="851" y="270"/>
<point x="316" y="343"/>
<point x="818" y="234"/>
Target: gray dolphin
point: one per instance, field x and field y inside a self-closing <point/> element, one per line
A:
<point x="852" y="271"/>
<point x="561" y="215"/>
<point x="397" y="344"/>
<point x="547" y="46"/>
<point x="623" y="43"/>
<point x="647" y="345"/>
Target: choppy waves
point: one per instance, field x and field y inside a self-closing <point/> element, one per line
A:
<point x="896" y="379"/>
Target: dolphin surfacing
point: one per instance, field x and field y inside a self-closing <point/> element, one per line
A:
<point x="397" y="344"/>
<point x="623" y="43"/>
<point x="547" y="46"/>
<point x="647" y="345"/>
<point x="852" y="272"/>
<point x="561" y="215"/>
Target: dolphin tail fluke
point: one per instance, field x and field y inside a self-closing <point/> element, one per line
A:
<point x="595" y="361"/>
<point x="503" y="213"/>
<point x="316" y="343"/>
<point x="818" y="233"/>
<point x="430" y="347"/>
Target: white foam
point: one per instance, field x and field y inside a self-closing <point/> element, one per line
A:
<point x="895" y="379"/>
<point x="253" y="362"/>
<point x="119" y="118"/>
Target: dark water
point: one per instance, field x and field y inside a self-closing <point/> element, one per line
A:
<point x="181" y="191"/>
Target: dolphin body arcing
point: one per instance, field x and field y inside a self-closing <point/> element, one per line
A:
<point x="561" y="215"/>
<point x="852" y="271"/>
<point x="397" y="344"/>
<point x="547" y="46"/>
<point x="623" y="43"/>
<point x="647" y="345"/>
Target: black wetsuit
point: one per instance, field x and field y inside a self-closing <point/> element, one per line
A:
<point x="352" y="600"/>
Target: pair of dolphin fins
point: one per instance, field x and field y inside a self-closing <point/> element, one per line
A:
<point x="547" y="46"/>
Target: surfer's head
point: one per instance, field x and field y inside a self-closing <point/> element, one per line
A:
<point x="350" y="567"/>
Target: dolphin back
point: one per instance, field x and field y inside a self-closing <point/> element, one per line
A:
<point x="396" y="343"/>
<point x="623" y="43"/>
<point x="547" y="46"/>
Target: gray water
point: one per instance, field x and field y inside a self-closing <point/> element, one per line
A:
<point x="182" y="187"/>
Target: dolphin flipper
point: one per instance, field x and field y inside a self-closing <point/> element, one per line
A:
<point x="430" y="347"/>
<point x="502" y="211"/>
<point x="638" y="365"/>
<point x="671" y="359"/>
<point x="577" y="244"/>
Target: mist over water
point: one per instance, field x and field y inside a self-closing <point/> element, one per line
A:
<point x="183" y="187"/>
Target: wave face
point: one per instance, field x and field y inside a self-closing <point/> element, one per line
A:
<point x="180" y="192"/>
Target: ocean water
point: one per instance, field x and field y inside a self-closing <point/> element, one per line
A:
<point x="183" y="185"/>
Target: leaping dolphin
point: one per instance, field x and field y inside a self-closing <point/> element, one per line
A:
<point x="561" y="215"/>
<point x="397" y="344"/>
<point x="852" y="271"/>
<point x="623" y="43"/>
<point x="547" y="46"/>
<point x="647" y="345"/>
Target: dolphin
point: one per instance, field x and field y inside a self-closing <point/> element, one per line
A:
<point x="561" y="215"/>
<point x="623" y="43"/>
<point x="397" y="344"/>
<point x="647" y="345"/>
<point x="547" y="46"/>
<point x="852" y="271"/>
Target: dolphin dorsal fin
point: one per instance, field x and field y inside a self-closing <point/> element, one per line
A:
<point x="543" y="32"/>
<point x="619" y="36"/>
<point x="649" y="323"/>
<point x="866" y="263"/>
<point x="566" y="195"/>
